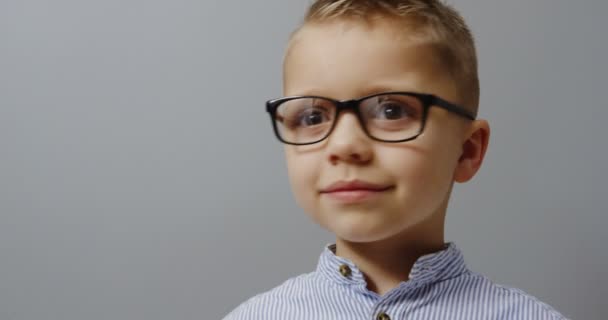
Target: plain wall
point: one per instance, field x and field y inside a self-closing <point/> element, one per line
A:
<point x="140" y="179"/>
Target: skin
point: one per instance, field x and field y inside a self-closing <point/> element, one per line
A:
<point x="384" y="236"/>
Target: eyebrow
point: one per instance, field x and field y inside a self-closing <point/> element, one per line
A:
<point x="318" y="92"/>
<point x="380" y="89"/>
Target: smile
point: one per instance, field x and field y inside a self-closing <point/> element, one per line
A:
<point x="354" y="191"/>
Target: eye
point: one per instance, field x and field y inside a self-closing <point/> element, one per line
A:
<point x="391" y="110"/>
<point x="312" y="117"/>
<point x="305" y="113"/>
<point x="307" y="117"/>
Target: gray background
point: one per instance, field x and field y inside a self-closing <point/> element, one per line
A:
<point x="139" y="178"/>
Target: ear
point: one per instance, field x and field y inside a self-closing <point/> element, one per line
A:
<point x="473" y="150"/>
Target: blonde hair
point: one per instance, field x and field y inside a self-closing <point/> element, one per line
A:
<point x="434" y="20"/>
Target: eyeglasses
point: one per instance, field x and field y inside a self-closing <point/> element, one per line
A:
<point x="386" y="117"/>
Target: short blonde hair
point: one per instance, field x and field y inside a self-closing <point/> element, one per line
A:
<point x="434" y="20"/>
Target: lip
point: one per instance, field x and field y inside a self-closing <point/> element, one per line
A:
<point x="355" y="185"/>
<point x="354" y="191"/>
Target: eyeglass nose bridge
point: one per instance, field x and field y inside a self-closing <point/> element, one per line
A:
<point x="345" y="105"/>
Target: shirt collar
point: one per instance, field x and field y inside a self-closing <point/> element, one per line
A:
<point x="433" y="267"/>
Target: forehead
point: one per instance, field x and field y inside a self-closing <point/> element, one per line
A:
<point x="345" y="59"/>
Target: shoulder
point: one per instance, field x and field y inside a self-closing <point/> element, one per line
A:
<point x="505" y="302"/>
<point x="289" y="294"/>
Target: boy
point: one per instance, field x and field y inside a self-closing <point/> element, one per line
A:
<point x="378" y="122"/>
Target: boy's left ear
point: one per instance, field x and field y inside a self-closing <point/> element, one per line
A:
<point x="473" y="151"/>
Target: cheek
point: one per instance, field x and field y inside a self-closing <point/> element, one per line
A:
<point x="303" y="174"/>
<point x="412" y="174"/>
<point x="423" y="176"/>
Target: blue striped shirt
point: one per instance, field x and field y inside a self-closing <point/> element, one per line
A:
<point x="440" y="286"/>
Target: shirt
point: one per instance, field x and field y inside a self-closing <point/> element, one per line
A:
<point x="440" y="287"/>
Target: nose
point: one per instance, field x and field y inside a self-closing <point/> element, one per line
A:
<point x="348" y="142"/>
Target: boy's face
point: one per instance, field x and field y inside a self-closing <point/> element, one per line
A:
<point x="347" y="60"/>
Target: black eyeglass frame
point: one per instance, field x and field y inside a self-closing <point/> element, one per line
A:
<point x="427" y="100"/>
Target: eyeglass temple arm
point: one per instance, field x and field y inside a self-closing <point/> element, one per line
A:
<point x="453" y="108"/>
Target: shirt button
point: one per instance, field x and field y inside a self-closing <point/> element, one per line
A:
<point x="345" y="270"/>
<point x="383" y="316"/>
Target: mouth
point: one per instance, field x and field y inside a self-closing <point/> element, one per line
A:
<point x="354" y="191"/>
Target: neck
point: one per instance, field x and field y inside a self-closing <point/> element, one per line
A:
<point x="385" y="267"/>
<point x="388" y="262"/>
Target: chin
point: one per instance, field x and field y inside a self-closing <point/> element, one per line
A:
<point x="364" y="237"/>
<point x="364" y="232"/>
<point x="359" y="238"/>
